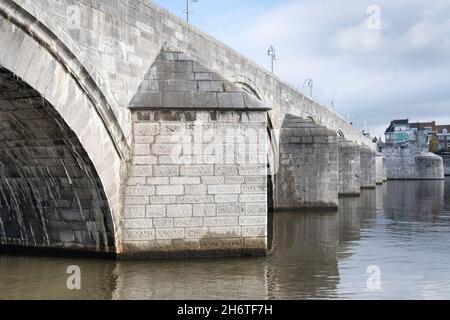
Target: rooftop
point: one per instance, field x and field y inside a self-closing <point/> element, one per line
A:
<point x="394" y="123"/>
<point x="441" y="128"/>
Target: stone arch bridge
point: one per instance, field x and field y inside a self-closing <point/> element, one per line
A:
<point x="126" y="131"/>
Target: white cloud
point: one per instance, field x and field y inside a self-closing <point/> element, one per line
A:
<point x="358" y="38"/>
<point x="430" y="34"/>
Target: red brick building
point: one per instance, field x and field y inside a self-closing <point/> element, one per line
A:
<point x="443" y="136"/>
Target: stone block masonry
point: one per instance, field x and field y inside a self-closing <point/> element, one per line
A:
<point x="403" y="165"/>
<point x="192" y="202"/>
<point x="198" y="177"/>
<point x="446" y="159"/>
<point x="412" y="161"/>
<point x="381" y="169"/>
<point x="308" y="168"/>
<point x="349" y="168"/>
<point x="116" y="40"/>
<point x="368" y="168"/>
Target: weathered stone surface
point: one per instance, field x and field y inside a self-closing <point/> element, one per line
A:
<point x="446" y="159"/>
<point x="419" y="167"/>
<point x="349" y="168"/>
<point x="380" y="168"/>
<point x="203" y="89"/>
<point x="368" y="168"/>
<point x="190" y="204"/>
<point x="308" y="173"/>
<point x="411" y="160"/>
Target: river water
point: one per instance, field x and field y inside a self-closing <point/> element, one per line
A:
<point x="401" y="231"/>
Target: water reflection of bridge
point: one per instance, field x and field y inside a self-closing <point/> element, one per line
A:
<point x="308" y="251"/>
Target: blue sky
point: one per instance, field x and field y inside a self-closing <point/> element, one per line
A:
<point x="399" y="71"/>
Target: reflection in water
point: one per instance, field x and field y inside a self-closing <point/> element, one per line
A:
<point x="402" y="227"/>
<point x="303" y="261"/>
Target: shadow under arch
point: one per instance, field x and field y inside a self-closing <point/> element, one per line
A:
<point x="45" y="80"/>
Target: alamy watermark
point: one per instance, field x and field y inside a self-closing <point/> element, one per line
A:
<point x="205" y="144"/>
<point x="74" y="280"/>
<point x="374" y="20"/>
<point x="73" y="14"/>
<point x="374" y="279"/>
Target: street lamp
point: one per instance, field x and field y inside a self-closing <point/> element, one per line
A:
<point x="188" y="11"/>
<point x="273" y="56"/>
<point x="309" y="83"/>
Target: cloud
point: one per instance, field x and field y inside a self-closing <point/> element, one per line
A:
<point x="374" y="76"/>
<point x="358" y="38"/>
<point x="429" y="34"/>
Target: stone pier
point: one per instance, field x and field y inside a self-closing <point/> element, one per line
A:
<point x="446" y="160"/>
<point x="368" y="168"/>
<point x="349" y="168"/>
<point x="411" y="159"/>
<point x="198" y="178"/>
<point x="308" y="174"/>
<point x="427" y="166"/>
<point x="381" y="170"/>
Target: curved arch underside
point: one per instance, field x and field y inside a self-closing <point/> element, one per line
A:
<point x="50" y="193"/>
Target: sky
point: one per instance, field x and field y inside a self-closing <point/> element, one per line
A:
<point x="378" y="60"/>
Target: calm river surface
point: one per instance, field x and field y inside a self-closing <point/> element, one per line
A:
<point x="401" y="227"/>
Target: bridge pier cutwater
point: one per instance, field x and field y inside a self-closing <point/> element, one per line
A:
<point x="368" y="168"/>
<point x="153" y="139"/>
<point x="349" y="155"/>
<point x="308" y="171"/>
<point x="381" y="168"/>
<point x="198" y="179"/>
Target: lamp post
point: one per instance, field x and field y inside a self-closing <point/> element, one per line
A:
<point x="273" y="56"/>
<point x="188" y="11"/>
<point x="309" y="83"/>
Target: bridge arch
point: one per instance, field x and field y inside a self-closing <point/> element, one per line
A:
<point x="42" y="79"/>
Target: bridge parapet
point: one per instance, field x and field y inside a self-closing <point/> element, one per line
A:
<point x="118" y="41"/>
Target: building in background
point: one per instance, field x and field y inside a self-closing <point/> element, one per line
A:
<point x="407" y="149"/>
<point x="398" y="131"/>
<point x="443" y="139"/>
<point x="438" y="136"/>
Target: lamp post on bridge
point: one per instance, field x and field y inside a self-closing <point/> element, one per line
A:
<point x="188" y="11"/>
<point x="309" y="83"/>
<point x="273" y="56"/>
